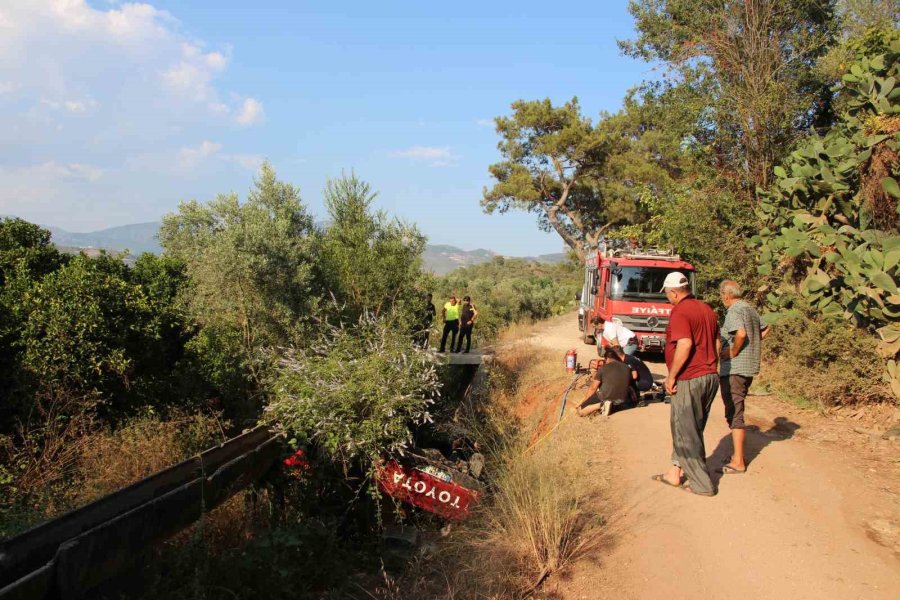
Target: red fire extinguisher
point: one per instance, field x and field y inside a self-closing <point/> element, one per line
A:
<point x="571" y="360"/>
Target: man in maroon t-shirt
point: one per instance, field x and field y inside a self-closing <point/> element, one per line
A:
<point x="692" y="357"/>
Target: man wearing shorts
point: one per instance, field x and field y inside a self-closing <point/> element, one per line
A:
<point x="742" y="334"/>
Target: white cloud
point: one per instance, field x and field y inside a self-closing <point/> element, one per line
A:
<point x="485" y="122"/>
<point x="79" y="106"/>
<point x="71" y="106"/>
<point x="191" y="157"/>
<point x="248" y="161"/>
<point x="104" y="100"/>
<point x="193" y="74"/>
<point x="250" y="112"/>
<point x="88" y="172"/>
<point x="435" y="156"/>
<point x="52" y="169"/>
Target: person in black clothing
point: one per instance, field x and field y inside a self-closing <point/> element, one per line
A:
<point x="427" y="317"/>
<point x="609" y="387"/>
<point x="467" y="317"/>
<point x="641" y="377"/>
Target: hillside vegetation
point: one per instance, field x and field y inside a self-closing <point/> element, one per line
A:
<point x="512" y="290"/>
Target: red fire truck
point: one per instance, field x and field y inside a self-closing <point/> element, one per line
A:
<point x="624" y="285"/>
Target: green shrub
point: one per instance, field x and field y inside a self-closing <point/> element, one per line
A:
<point x="508" y="291"/>
<point x="823" y="362"/>
<point x="356" y="392"/>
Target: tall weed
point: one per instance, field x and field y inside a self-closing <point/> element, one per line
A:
<point x="62" y="463"/>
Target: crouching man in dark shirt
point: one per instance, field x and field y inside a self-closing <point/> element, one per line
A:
<point x="641" y="377"/>
<point x="609" y="387"/>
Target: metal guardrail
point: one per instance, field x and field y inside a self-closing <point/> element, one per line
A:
<point x="65" y="558"/>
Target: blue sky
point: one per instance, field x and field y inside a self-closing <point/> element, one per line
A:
<point x="111" y="113"/>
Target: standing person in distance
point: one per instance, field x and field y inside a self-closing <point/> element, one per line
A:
<point x="450" y="314"/>
<point x="468" y="316"/>
<point x="427" y="318"/>
<point x="617" y="335"/>
<point x="742" y="335"/>
<point x="692" y="356"/>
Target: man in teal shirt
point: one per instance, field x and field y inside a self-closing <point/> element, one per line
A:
<point x="450" y="313"/>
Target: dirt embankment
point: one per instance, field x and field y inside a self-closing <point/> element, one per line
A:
<point x="815" y="516"/>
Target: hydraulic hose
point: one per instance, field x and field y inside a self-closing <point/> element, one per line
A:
<point x="562" y="409"/>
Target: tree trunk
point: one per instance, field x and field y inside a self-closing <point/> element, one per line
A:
<point x="573" y="242"/>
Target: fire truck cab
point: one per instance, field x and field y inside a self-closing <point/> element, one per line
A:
<point x="624" y="285"/>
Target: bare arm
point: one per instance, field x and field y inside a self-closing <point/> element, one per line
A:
<point x="682" y="352"/>
<point x="740" y="338"/>
<point x="763" y="333"/>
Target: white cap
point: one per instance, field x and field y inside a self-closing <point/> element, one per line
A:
<point x="674" y="279"/>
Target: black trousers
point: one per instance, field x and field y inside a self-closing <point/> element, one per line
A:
<point x="465" y="331"/>
<point x="449" y="327"/>
<point x="421" y="338"/>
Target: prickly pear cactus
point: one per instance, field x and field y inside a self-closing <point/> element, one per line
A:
<point x="832" y="217"/>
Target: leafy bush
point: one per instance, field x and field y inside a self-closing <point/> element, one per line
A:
<point x="823" y="362"/>
<point x="356" y="392"/>
<point x="250" y="281"/>
<point x="707" y="227"/>
<point x="82" y="323"/>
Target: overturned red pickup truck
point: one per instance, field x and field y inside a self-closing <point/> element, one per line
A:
<point x="428" y="481"/>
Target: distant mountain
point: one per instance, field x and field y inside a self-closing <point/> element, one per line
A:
<point x="141" y="237"/>
<point x="442" y="259"/>
<point x="556" y="257"/>
<point x="137" y="238"/>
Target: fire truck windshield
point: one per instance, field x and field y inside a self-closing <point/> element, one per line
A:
<point x="641" y="282"/>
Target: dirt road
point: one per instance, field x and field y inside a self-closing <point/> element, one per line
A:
<point x="814" y="517"/>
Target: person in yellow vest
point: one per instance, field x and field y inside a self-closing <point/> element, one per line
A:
<point x="450" y="312"/>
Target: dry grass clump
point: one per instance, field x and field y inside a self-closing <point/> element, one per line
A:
<point x="62" y="467"/>
<point x="113" y="459"/>
<point x="516" y="332"/>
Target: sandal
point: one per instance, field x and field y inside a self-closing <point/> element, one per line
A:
<point x="729" y="470"/>
<point x="661" y="477"/>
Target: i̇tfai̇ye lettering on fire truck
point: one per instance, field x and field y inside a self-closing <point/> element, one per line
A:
<point x="624" y="285"/>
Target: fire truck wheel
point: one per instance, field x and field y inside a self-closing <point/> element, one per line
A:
<point x="589" y="339"/>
